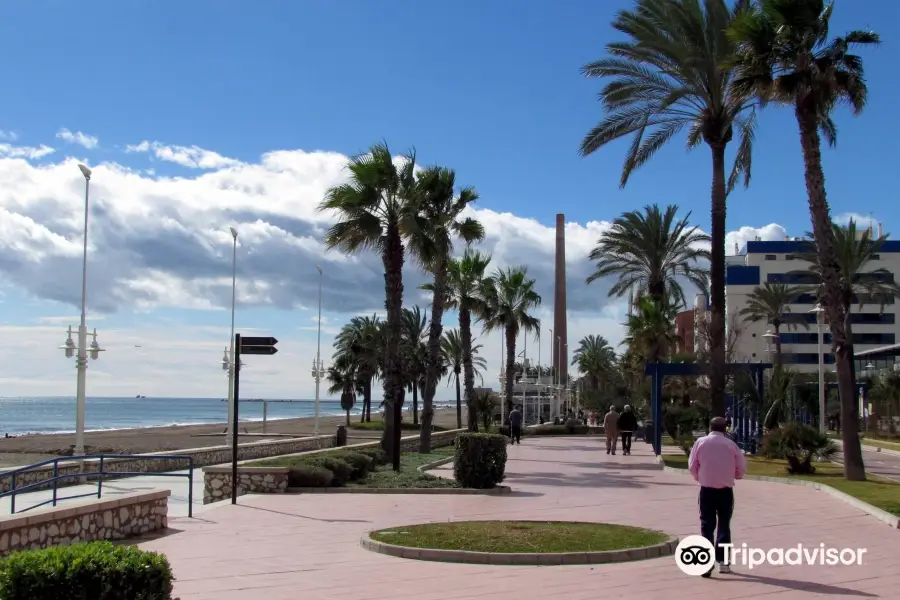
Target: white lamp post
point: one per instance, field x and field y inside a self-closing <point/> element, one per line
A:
<point x="318" y="372"/>
<point x="228" y="362"/>
<point x="818" y="311"/>
<point x="82" y="348"/>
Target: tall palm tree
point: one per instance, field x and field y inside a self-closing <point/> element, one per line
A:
<point x="358" y="355"/>
<point x="452" y="357"/>
<point x="673" y="73"/>
<point x="415" y="353"/>
<point x="510" y="299"/>
<point x="441" y="209"/>
<point x="595" y="360"/>
<point x="785" y="56"/>
<point x="467" y="289"/>
<point x="768" y="303"/>
<point x="648" y="251"/>
<point x="375" y="210"/>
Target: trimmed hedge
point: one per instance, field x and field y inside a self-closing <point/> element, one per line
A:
<point x="568" y="429"/>
<point x="361" y="464"/>
<point x="378" y="456"/>
<point x="341" y="470"/>
<point x="309" y="476"/>
<point x="91" y="571"/>
<point x="480" y="460"/>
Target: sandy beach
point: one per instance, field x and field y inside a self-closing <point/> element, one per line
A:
<point x="28" y="449"/>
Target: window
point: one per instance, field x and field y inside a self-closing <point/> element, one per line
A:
<point x="879" y="339"/>
<point x="807" y="358"/>
<point x="799" y="278"/>
<point x="855" y="318"/>
<point x="875" y="257"/>
<point x="771" y="257"/>
<point x="799" y="338"/>
<point x="866" y="299"/>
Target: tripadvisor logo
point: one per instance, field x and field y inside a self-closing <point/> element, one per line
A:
<point x="696" y="555"/>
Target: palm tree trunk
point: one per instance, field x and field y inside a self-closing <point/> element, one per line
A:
<point x="458" y="403"/>
<point x="415" y="404"/>
<point x="510" y="368"/>
<point x="367" y="401"/>
<point x="717" y="285"/>
<point x="465" y="331"/>
<point x="854" y="468"/>
<point x="433" y="368"/>
<point x="348" y="418"/>
<point x="392" y="256"/>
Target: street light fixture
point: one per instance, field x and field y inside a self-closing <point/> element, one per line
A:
<point x="318" y="372"/>
<point x="819" y="312"/>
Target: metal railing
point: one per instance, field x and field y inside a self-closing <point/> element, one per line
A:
<point x="98" y="475"/>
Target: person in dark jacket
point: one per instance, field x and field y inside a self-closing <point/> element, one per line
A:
<point x="627" y="425"/>
<point x="515" y="426"/>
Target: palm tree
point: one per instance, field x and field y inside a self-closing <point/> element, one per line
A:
<point x="673" y="73"/>
<point x="452" y="357"/>
<point x="767" y="303"/>
<point x="784" y="56"/>
<point x="375" y="210"/>
<point x="466" y="291"/>
<point x="441" y="210"/>
<point x="595" y="360"/>
<point x="648" y="251"/>
<point x="510" y="299"/>
<point x="358" y="352"/>
<point x="651" y="329"/>
<point x="415" y="353"/>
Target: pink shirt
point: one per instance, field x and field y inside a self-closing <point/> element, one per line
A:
<point x="716" y="461"/>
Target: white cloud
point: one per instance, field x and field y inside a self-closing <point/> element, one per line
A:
<point x="81" y="139"/>
<point x="735" y="241"/>
<point x="27" y="152"/>
<point x="162" y="242"/>
<point x="8" y="136"/>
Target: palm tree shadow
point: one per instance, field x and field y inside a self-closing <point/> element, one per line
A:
<point x="288" y="514"/>
<point x="805" y="586"/>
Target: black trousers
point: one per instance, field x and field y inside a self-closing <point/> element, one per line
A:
<point x="626" y="441"/>
<point x="515" y="434"/>
<point x="716" y="508"/>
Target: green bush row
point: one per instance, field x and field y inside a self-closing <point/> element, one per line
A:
<point x="567" y="429"/>
<point x="91" y="571"/>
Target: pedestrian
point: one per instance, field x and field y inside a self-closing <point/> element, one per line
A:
<point x="515" y="426"/>
<point x="627" y="425"/>
<point x="610" y="427"/>
<point x="715" y="463"/>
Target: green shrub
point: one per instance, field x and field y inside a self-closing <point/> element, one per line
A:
<point x="800" y="443"/>
<point x="361" y="464"/>
<point x="480" y="460"/>
<point x="92" y="571"/>
<point x="340" y="469"/>
<point x="686" y="443"/>
<point x="568" y="429"/>
<point x="771" y="445"/>
<point x="309" y="476"/>
<point x="377" y="455"/>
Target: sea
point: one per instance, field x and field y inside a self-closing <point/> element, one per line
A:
<point x="28" y="415"/>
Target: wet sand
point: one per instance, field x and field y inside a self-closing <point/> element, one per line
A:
<point x="29" y="449"/>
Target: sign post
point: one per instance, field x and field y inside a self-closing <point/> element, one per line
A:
<point x="247" y="345"/>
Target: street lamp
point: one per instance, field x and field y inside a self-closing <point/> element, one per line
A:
<point x="317" y="371"/>
<point x="81" y="348"/>
<point x="229" y="362"/>
<point x="819" y="312"/>
<point x="771" y="341"/>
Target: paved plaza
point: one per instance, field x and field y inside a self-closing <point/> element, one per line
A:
<point x="283" y="547"/>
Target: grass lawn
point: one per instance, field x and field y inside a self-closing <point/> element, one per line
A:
<point x="378" y="425"/>
<point x="520" y="537"/>
<point x="409" y="476"/>
<point x="878" y="492"/>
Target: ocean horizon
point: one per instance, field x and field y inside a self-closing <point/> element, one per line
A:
<point x="26" y="415"/>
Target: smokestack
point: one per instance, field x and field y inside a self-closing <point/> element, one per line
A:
<point x="558" y="352"/>
<point x="880" y="230"/>
<point x="737" y="249"/>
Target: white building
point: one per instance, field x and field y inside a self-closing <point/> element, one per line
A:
<point x="779" y="262"/>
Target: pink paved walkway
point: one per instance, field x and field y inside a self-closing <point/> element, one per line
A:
<point x="306" y="546"/>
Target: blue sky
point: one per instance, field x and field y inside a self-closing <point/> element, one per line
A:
<point x="491" y="89"/>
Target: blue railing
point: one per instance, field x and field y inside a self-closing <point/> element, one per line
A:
<point x="99" y="474"/>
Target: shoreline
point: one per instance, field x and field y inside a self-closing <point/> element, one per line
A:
<point x="32" y="448"/>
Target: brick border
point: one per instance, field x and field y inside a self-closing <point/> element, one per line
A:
<point x="882" y="515"/>
<point x="666" y="548"/>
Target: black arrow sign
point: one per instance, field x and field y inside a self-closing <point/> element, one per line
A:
<point x="258" y="341"/>
<point x="268" y="350"/>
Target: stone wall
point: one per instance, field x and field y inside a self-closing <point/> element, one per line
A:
<point x="145" y="463"/>
<point x="123" y="517"/>
<point x="255" y="480"/>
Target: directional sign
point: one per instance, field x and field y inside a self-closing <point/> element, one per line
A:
<point x="258" y="341"/>
<point x="267" y="350"/>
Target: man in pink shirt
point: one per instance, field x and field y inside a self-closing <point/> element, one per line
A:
<point x="715" y="463"/>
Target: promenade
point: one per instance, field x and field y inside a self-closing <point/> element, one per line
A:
<point x="307" y="546"/>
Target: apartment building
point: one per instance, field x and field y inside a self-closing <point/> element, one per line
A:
<point x="779" y="262"/>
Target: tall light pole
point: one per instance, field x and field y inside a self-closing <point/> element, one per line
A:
<point x="318" y="371"/>
<point x="819" y="312"/>
<point x="230" y="358"/>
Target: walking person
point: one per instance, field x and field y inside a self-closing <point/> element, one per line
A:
<point x="627" y="425"/>
<point x="515" y="426"/>
<point x="715" y="463"/>
<point x="611" y="428"/>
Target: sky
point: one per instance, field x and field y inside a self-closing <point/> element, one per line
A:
<point x="204" y="115"/>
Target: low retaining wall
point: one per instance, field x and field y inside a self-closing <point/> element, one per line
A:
<point x="114" y="519"/>
<point x="144" y="463"/>
<point x="273" y="480"/>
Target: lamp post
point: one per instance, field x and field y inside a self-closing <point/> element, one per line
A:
<point x="81" y="348"/>
<point x="819" y="312"/>
<point x="228" y="361"/>
<point x="318" y="372"/>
